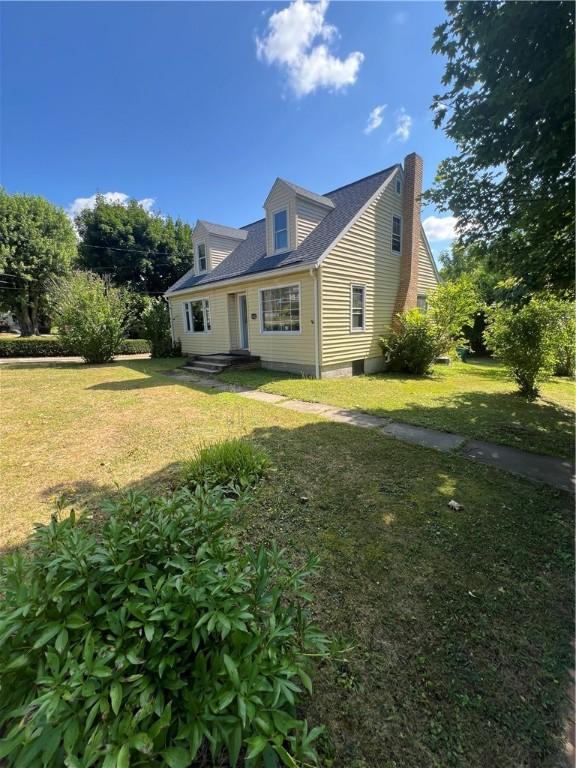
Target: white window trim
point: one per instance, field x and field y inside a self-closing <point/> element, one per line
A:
<point x="207" y="252"/>
<point x="362" y="286"/>
<point x="273" y="214"/>
<point x="271" y="288"/>
<point x="238" y="295"/>
<point x="192" y="332"/>
<point x="396" y="216"/>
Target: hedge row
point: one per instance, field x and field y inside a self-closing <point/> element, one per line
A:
<point x="51" y="347"/>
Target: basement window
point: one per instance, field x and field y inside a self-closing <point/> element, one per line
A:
<point x="396" y="234"/>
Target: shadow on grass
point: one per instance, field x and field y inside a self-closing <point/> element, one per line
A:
<point x="460" y="622"/>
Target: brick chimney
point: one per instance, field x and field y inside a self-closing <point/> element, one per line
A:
<point x="408" y="286"/>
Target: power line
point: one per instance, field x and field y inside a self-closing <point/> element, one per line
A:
<point x="134" y="250"/>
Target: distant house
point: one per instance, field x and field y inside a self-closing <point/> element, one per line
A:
<point x="312" y="286"/>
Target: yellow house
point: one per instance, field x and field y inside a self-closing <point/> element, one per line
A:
<point x="312" y="286"/>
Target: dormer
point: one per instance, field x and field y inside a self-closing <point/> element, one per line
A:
<point x="213" y="243"/>
<point x="292" y="212"/>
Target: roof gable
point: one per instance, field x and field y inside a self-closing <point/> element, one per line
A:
<point x="249" y="257"/>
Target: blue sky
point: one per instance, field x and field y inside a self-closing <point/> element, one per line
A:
<point x="195" y="108"/>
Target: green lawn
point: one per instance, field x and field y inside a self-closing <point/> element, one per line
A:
<point x="460" y="622"/>
<point x="475" y="399"/>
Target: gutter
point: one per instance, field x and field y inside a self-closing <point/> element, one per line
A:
<point x="266" y="274"/>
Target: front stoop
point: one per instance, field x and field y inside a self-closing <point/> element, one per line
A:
<point x="212" y="364"/>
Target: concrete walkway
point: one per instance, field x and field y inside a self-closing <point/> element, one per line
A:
<point x="558" y="473"/>
<point x="60" y="360"/>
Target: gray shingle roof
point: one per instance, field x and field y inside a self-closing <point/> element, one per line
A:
<point x="320" y="199"/>
<point x="222" y="231"/>
<point x="249" y="257"/>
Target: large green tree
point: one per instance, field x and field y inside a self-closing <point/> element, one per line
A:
<point x="145" y="251"/>
<point x="37" y="244"/>
<point x="509" y="108"/>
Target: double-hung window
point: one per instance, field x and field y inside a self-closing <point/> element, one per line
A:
<point x="202" y="261"/>
<point x="358" y="307"/>
<point x="398" y="186"/>
<point x="421" y="302"/>
<point x="281" y="230"/>
<point x="280" y="309"/>
<point x="396" y="234"/>
<point x="197" y="316"/>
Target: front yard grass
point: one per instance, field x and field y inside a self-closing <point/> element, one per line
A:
<point x="460" y="622"/>
<point x="474" y="399"/>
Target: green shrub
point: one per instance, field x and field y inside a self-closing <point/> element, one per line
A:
<point x="233" y="465"/>
<point x="565" y="337"/>
<point x="156" y="323"/>
<point x="134" y="347"/>
<point x="153" y="640"/>
<point x="91" y="315"/>
<point x="525" y="339"/>
<point x="453" y="305"/>
<point x="40" y="346"/>
<point x="413" y="343"/>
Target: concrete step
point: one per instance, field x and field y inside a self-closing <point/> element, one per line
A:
<point x="225" y="359"/>
<point x="206" y="367"/>
<point x="200" y="371"/>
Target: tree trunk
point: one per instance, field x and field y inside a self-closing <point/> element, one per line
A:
<point x="27" y="315"/>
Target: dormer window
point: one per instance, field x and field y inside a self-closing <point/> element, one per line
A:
<point x="201" y="258"/>
<point x="281" y="230"/>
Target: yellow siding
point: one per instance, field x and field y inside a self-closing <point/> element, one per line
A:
<point x="364" y="257"/>
<point x="292" y="349"/>
<point x="308" y="216"/>
<point x="427" y="279"/>
<point x="220" y="247"/>
<point x="280" y="198"/>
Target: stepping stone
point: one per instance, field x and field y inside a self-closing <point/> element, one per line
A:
<point x="430" y="438"/>
<point x="303" y="407"/>
<point x="546" y="469"/>
<point x="262" y="397"/>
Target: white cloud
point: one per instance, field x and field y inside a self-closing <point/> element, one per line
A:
<point x="375" y="118"/>
<point x="403" y="126"/>
<point x="439" y="228"/>
<point x="297" y="40"/>
<point x="81" y="203"/>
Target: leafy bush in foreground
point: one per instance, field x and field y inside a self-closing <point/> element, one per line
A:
<point x="413" y="344"/>
<point x="526" y="341"/>
<point x="153" y="642"/>
<point x="233" y="464"/>
<point x="41" y="346"/>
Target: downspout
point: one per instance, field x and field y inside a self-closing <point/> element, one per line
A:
<point x="171" y="321"/>
<point x="314" y="276"/>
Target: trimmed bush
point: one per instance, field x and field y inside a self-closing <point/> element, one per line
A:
<point x="153" y="640"/>
<point x="233" y="465"/>
<point x="91" y="315"/>
<point x="40" y="346"/>
<point x="413" y="344"/>
<point x="525" y="339"/>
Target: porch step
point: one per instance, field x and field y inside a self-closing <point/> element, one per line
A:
<point x="214" y="364"/>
